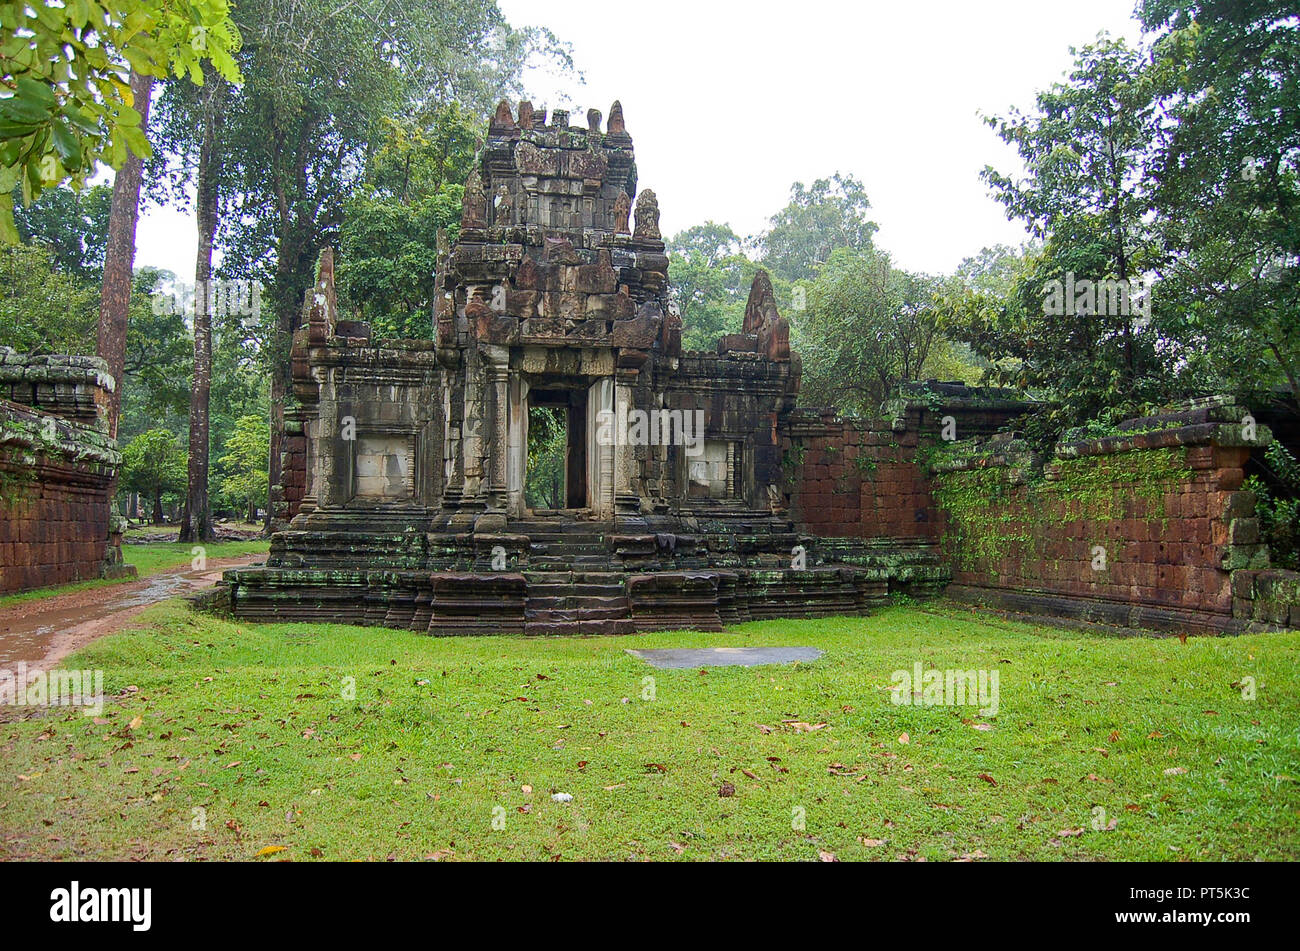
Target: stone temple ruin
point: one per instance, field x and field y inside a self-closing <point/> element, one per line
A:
<point x="695" y="494"/>
<point x="404" y="487"/>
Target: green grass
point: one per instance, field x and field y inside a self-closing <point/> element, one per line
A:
<point x="154" y="557"/>
<point x="250" y="724"/>
<point x="149" y="559"/>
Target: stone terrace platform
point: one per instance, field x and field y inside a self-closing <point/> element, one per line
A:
<point x="562" y="576"/>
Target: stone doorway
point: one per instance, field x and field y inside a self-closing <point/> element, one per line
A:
<point x="555" y="475"/>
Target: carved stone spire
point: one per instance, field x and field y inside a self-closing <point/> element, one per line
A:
<point x="504" y="119"/>
<point x="615" y="126"/>
<point x="647" y="216"/>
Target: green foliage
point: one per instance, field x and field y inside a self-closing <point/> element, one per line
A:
<point x="869" y="326"/>
<point x="154" y="464"/>
<point x="710" y="277"/>
<point x="388" y="240"/>
<point x="44" y="309"/>
<point x="1089" y="146"/>
<point x="1228" y="188"/>
<point x="547" y="458"/>
<point x="72" y="224"/>
<point x="66" y="102"/>
<point x="243" y="465"/>
<point x="829" y="214"/>
<point x="1277" y="506"/>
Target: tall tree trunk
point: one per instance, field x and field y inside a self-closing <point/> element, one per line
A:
<point x="294" y="273"/>
<point x="119" y="259"/>
<point x="157" y="509"/>
<point x="196" y="522"/>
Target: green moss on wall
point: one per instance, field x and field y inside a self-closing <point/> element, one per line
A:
<point x="988" y="515"/>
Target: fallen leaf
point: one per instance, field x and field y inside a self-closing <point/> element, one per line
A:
<point x="872" y="843"/>
<point x="135" y="723"/>
<point x="726" y="790"/>
<point x="800" y="727"/>
<point x="988" y="779"/>
<point x="269" y="850"/>
<point x="1070" y="833"/>
<point x="1175" y="771"/>
<point x="905" y="739"/>
<point x="826" y="856"/>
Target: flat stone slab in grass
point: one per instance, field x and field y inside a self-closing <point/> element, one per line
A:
<point x="674" y="657"/>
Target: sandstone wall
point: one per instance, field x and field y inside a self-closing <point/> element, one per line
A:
<point x="56" y="468"/>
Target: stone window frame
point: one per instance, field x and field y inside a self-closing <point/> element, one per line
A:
<point x="414" y="440"/>
<point x="740" y="464"/>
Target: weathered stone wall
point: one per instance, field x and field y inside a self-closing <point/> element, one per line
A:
<point x="862" y="478"/>
<point x="56" y="470"/>
<point x="1141" y="530"/>
<point x="854" y="478"/>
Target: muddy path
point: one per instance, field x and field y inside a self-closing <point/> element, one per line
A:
<point x="43" y="631"/>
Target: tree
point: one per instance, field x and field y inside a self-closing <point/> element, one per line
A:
<point x="387" y="241"/>
<point x="869" y="326"/>
<point x="72" y="224"/>
<point x="119" y="258"/>
<point x="547" y="458"/>
<point x="1072" y="319"/>
<point x="1228" y="188"/>
<point x="68" y="101"/>
<point x="43" y="309"/>
<point x="1088" y="149"/>
<point x="829" y="214"/>
<point x="156" y="365"/>
<point x="243" y="465"/>
<point x="710" y="278"/>
<point x="153" y="464"/>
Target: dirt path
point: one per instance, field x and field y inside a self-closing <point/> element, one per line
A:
<point x="43" y="631"/>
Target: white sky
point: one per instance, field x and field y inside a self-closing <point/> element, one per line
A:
<point x="728" y="103"/>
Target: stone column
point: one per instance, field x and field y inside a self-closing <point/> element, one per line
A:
<point x="498" y="382"/>
<point x="601" y="434"/>
<point x="517" y="449"/>
<point x="472" y="432"/>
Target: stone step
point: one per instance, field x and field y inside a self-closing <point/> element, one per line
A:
<point x="585" y="591"/>
<point x="608" y="626"/>
<point x="579" y="561"/>
<point x="576" y="602"/>
<point x="575" y="614"/>
<point x="541" y="576"/>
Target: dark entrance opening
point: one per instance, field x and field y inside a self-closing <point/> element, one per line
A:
<point x="556" y="476"/>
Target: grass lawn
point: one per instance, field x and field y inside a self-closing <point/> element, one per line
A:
<point x="154" y="557"/>
<point x="250" y="724"/>
<point x="149" y="559"/>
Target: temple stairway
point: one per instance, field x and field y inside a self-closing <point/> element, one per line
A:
<point x="564" y="545"/>
<point x="577" y="602"/>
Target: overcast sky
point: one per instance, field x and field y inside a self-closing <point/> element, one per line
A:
<point x="728" y="103"/>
